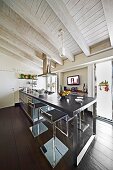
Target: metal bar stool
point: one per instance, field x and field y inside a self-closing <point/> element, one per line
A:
<point x="82" y="125"/>
<point x="54" y="149"/>
<point x="67" y="120"/>
<point x="38" y="127"/>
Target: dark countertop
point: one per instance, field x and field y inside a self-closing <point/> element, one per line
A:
<point x="68" y="105"/>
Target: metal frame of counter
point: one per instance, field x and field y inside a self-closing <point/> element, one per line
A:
<point x="72" y="108"/>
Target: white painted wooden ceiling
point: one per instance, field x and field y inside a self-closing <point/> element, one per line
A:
<point x="29" y="28"/>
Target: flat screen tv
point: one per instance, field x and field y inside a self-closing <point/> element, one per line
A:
<point x="73" y="80"/>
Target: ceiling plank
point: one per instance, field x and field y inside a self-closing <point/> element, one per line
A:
<point x="108" y="10"/>
<point x="30" y="38"/>
<point x="6" y="52"/>
<point x="23" y="30"/>
<point x="61" y="11"/>
<point x="4" y="44"/>
<point x="20" y="45"/>
<point x="36" y="23"/>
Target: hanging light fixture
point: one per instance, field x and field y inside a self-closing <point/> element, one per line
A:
<point x="62" y="49"/>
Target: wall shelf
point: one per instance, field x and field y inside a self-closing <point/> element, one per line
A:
<point x="27" y="76"/>
<point x="27" y="79"/>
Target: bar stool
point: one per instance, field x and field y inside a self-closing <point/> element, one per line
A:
<point x="54" y="149"/>
<point x="38" y="127"/>
<point x="66" y="121"/>
<point x="82" y="125"/>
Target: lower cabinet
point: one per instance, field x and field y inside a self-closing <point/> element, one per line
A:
<point x="24" y="100"/>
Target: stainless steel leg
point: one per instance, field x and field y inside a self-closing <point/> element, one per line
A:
<point x="91" y="138"/>
<point x="67" y="123"/>
<point x="38" y="114"/>
<point x="94" y="118"/>
<point x="54" y="146"/>
<point x="75" y="139"/>
<point x="80" y="120"/>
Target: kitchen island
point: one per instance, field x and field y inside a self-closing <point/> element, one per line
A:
<point x="73" y="108"/>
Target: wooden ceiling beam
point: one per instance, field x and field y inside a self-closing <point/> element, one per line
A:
<point x="108" y="10"/>
<point x="61" y="11"/>
<point x="4" y="51"/>
<point x="36" y="23"/>
<point x="31" y="36"/>
<point x="11" y="39"/>
<point x="4" y="44"/>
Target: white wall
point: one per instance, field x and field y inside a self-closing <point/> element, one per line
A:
<point x="10" y="68"/>
<point x="91" y="81"/>
<point x="83" y="77"/>
<point x="104" y="99"/>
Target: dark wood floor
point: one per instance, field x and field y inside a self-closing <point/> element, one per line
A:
<point x="20" y="151"/>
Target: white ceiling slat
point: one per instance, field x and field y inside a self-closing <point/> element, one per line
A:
<point x="14" y="50"/>
<point x="100" y="26"/>
<point x="50" y="20"/>
<point x="35" y="22"/>
<point x="55" y="24"/>
<point x="75" y="52"/>
<point x="92" y="19"/>
<point x="38" y="6"/>
<point x="98" y="40"/>
<point x="35" y="6"/>
<point x="94" y="24"/>
<point x="66" y="1"/>
<point x="77" y="7"/>
<point x="61" y="11"/>
<point x="69" y="42"/>
<point x="29" y="3"/>
<point x="21" y="29"/>
<point x="95" y="33"/>
<point x="20" y="45"/>
<point x="89" y="13"/>
<point x="71" y="46"/>
<point x="17" y="52"/>
<point x="3" y="8"/>
<point x="97" y="36"/>
<point x="5" y="52"/>
<point x="41" y="9"/>
<point x="86" y="8"/>
<point x="46" y="15"/>
<point x="12" y="27"/>
<point x="108" y="9"/>
<point x="71" y="4"/>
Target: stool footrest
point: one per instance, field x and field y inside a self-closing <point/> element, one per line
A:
<point x="83" y="127"/>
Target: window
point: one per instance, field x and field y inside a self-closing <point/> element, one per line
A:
<point x="52" y="83"/>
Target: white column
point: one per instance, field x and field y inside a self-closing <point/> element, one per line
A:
<point x="91" y="83"/>
<point x="91" y="90"/>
